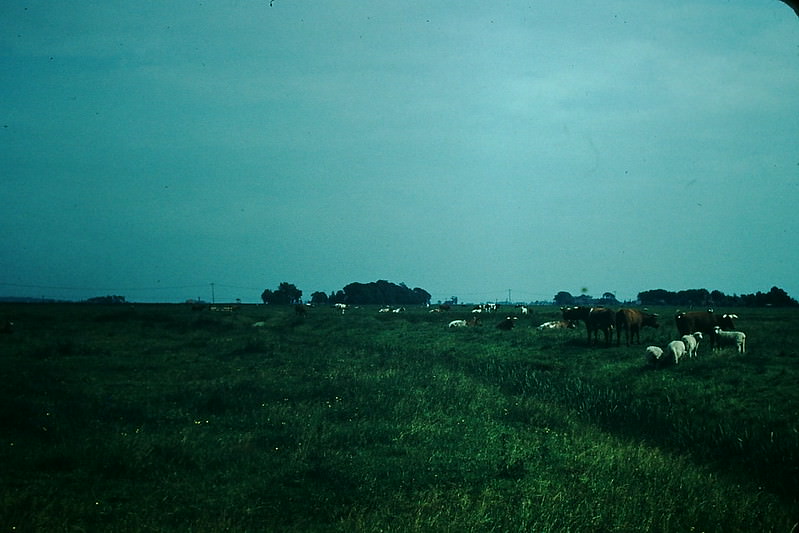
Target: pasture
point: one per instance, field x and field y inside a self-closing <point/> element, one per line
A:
<point x="160" y="418"/>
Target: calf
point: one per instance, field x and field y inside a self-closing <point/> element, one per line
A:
<point x="631" y="321"/>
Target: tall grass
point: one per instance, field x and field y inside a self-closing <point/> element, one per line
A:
<point x="161" y="418"/>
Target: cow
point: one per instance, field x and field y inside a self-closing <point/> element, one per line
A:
<point x="704" y="321"/>
<point x="7" y="327"/>
<point x="631" y="321"/>
<point x="557" y="324"/>
<point x="475" y="321"/>
<point x="595" y="318"/>
<point x="507" y="324"/>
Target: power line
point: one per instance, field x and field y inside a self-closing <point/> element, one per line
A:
<point x="112" y="289"/>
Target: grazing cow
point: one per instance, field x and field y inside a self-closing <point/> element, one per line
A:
<point x="730" y="338"/>
<point x="8" y="327"/>
<point x="631" y="321"/>
<point x="507" y="324"/>
<point x="300" y="310"/>
<point x="595" y="318"/>
<point x="704" y="321"/>
<point x="557" y="324"/>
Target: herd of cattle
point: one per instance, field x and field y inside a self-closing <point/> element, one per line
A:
<point x="693" y="326"/>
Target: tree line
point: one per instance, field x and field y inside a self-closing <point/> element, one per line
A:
<point x="383" y="292"/>
<point x="776" y="297"/>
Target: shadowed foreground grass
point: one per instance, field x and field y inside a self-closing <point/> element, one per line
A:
<point x="161" y="418"/>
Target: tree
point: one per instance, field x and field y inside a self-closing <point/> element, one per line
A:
<point x="383" y="292"/>
<point x="564" y="298"/>
<point x="319" y="298"/>
<point x="609" y="299"/>
<point x="286" y="293"/>
<point x="267" y="296"/>
<point x="779" y="298"/>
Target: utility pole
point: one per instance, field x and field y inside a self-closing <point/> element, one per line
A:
<point x="509" y="300"/>
<point x="213" y="299"/>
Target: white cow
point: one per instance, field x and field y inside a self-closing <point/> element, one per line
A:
<point x="556" y="324"/>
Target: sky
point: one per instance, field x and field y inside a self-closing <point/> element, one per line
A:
<point x="184" y="149"/>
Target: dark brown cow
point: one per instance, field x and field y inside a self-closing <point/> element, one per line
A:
<point x="7" y="327"/>
<point x="507" y="324"/>
<point x="595" y="318"/>
<point x="631" y="321"/>
<point x="704" y="321"/>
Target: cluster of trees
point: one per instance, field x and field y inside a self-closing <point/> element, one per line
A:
<point x="379" y="292"/>
<point x="286" y="293"/>
<point x="564" y="298"/>
<point x="776" y="297"/>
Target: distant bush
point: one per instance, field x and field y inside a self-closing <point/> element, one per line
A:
<point x="111" y="299"/>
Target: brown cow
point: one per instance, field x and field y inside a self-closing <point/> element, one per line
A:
<point x="704" y="321"/>
<point x="595" y="318"/>
<point x="631" y="321"/>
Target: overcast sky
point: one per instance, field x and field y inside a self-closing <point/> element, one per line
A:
<point x="150" y="149"/>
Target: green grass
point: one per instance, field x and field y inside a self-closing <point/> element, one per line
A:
<point x="147" y="417"/>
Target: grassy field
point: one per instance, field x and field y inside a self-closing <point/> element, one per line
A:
<point x="160" y="418"/>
